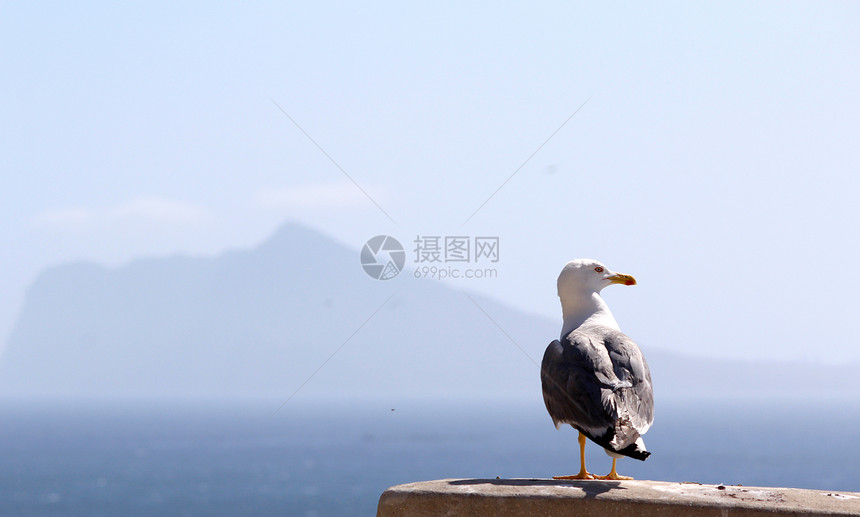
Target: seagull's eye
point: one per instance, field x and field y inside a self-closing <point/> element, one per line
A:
<point x="599" y="269"/>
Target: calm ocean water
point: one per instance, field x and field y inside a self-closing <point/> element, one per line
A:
<point x="320" y="459"/>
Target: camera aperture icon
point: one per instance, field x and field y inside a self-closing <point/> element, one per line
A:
<point x="383" y="257"/>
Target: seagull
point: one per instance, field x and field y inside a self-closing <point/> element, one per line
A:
<point x="594" y="377"/>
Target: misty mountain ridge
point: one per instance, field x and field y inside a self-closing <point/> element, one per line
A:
<point x="260" y="322"/>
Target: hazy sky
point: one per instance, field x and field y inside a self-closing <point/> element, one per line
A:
<point x="715" y="159"/>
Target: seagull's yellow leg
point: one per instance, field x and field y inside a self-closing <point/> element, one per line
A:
<point x="612" y="474"/>
<point x="583" y="474"/>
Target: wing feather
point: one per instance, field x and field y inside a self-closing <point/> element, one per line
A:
<point x="629" y="365"/>
<point x="597" y="380"/>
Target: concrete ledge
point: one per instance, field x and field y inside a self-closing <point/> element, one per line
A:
<point x="549" y="497"/>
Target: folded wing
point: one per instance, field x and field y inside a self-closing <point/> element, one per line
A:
<point x="597" y="381"/>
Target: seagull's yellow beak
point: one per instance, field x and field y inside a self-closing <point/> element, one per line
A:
<point x="619" y="278"/>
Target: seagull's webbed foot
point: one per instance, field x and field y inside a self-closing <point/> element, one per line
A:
<point x="582" y="475"/>
<point x="613" y="475"/>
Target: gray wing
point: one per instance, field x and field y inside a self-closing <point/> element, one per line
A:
<point x="629" y="365"/>
<point x="598" y="382"/>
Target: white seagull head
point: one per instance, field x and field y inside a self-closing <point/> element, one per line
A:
<point x="582" y="277"/>
<point x="579" y="286"/>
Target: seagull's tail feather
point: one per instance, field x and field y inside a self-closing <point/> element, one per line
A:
<point x="635" y="450"/>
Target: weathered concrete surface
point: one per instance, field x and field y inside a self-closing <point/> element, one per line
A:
<point x="549" y="498"/>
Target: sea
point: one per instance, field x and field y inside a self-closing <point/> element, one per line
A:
<point x="335" y="457"/>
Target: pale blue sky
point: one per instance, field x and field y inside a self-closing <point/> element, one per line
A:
<point x="716" y="158"/>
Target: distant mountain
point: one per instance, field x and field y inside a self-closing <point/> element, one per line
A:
<point x="260" y="322"/>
